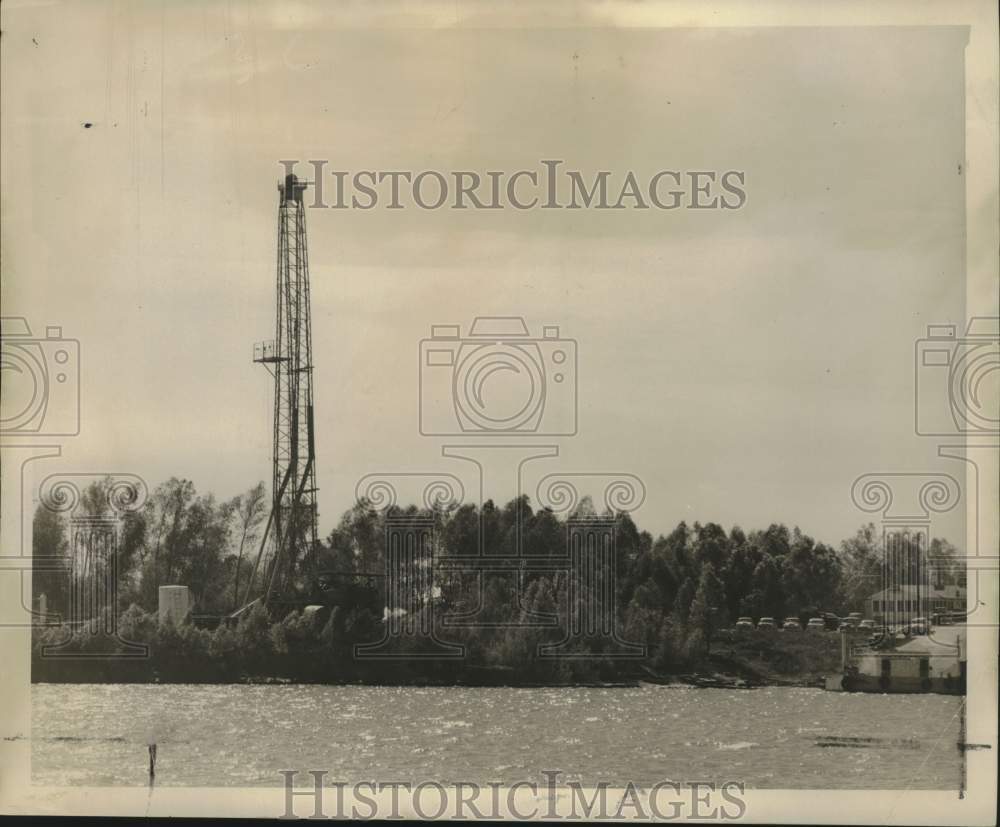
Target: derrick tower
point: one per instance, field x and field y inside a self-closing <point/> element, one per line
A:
<point x="291" y="527"/>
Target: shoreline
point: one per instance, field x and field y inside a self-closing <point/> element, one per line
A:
<point x="696" y="681"/>
<point x="189" y="655"/>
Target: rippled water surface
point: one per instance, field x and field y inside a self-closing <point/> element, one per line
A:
<point x="243" y="735"/>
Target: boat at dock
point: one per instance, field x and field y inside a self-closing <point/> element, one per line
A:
<point x="932" y="662"/>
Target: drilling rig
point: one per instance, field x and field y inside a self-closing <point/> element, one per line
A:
<point x="291" y="531"/>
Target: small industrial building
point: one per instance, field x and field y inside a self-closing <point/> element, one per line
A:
<point x="934" y="662"/>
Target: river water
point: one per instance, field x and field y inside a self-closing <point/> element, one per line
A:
<point x="243" y="735"/>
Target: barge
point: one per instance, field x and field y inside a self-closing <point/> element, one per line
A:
<point x="933" y="662"/>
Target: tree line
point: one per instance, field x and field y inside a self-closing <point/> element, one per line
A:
<point x="671" y="592"/>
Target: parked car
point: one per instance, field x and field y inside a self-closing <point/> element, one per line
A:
<point x="816" y="623"/>
<point x="791" y="624"/>
<point x="867" y="625"/>
<point x="767" y="623"/>
<point x="919" y="626"/>
<point x="744" y="623"/>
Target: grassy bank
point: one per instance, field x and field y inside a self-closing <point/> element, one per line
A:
<point x="321" y="649"/>
<point x="770" y="657"/>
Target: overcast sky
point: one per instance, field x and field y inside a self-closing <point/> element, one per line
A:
<point x="747" y="365"/>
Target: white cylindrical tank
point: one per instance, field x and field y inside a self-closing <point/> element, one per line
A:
<point x="175" y="602"/>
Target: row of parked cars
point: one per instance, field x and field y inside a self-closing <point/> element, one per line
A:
<point x="917" y="626"/>
<point x="853" y="621"/>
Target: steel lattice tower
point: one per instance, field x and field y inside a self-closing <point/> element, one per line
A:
<point x="288" y="357"/>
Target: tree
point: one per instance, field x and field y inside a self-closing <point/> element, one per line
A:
<point x="710" y="546"/>
<point x="169" y="502"/>
<point x="682" y="604"/>
<point x="676" y="549"/>
<point x="187" y="535"/>
<point x="644" y="616"/>
<point x="358" y="541"/>
<point x="632" y="558"/>
<point x="519" y="644"/>
<point x="199" y="561"/>
<point x="662" y="573"/>
<point x="707" y="606"/>
<point x="810" y="573"/>
<point x="50" y="559"/>
<point x="99" y="500"/>
<point x="52" y="546"/>
<point x="584" y="509"/>
<point x="545" y="536"/>
<point x="461" y="532"/>
<point x="515" y="520"/>
<point x="738" y="574"/>
<point x="860" y="564"/>
<point x="250" y="509"/>
<point x="946" y="567"/>
<point x="767" y="583"/>
<point x="774" y="540"/>
<point x="491" y="528"/>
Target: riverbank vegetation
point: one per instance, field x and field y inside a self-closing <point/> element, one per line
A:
<point x="677" y="595"/>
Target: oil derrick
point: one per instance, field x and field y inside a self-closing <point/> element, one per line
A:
<point x="291" y="527"/>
